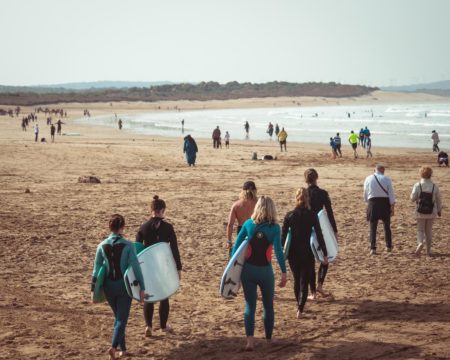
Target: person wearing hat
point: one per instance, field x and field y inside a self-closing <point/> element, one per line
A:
<point x="241" y="210"/>
<point x="380" y="199"/>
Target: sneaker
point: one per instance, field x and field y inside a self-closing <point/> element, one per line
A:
<point x="418" y="249"/>
<point x="373" y="251"/>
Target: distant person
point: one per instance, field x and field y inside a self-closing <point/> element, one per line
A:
<point x="36" y="132"/>
<point x="282" y="138"/>
<point x="302" y="220"/>
<point x="120" y="124"/>
<point x="361" y="137"/>
<point x="380" y="199"/>
<point x="277" y="130"/>
<point x="436" y="141"/>
<point x="52" y="132"/>
<point x="190" y="149"/>
<point x="427" y="196"/>
<point x="154" y="231"/>
<point x="24" y="125"/>
<point x="353" y="140"/>
<point x="247" y="129"/>
<point x="241" y="210"/>
<point x="227" y="139"/>
<point x="216" y="137"/>
<point x="368" y="147"/>
<point x="338" y="142"/>
<point x="270" y="130"/>
<point x="333" y="149"/>
<point x="118" y="253"/>
<point x="59" y="126"/>
<point x="182" y="126"/>
<point x="443" y="158"/>
<point x="263" y="233"/>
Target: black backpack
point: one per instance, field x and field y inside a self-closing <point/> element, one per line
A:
<point x="425" y="204"/>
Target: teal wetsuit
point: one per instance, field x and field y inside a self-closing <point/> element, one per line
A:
<point x="257" y="271"/>
<point x="117" y="254"/>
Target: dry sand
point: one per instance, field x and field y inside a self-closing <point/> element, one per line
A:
<point x="390" y="306"/>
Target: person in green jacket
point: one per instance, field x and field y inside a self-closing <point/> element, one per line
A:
<point x="117" y="254"/>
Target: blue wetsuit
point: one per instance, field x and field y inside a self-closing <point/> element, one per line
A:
<point x="257" y="271"/>
<point x="117" y="254"/>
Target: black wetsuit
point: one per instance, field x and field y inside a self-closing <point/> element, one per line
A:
<point x="301" y="259"/>
<point x="320" y="198"/>
<point x="154" y="231"/>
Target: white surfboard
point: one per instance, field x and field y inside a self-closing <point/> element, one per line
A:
<point x="159" y="271"/>
<point x="287" y="244"/>
<point x="328" y="236"/>
<point x="231" y="278"/>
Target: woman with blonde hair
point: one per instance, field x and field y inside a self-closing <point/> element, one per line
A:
<point x="264" y="235"/>
<point x="429" y="205"/>
<point x="301" y="221"/>
<point x="241" y="210"/>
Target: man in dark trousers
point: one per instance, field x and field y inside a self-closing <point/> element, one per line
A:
<point x="52" y="132"/>
<point x="216" y="137"/>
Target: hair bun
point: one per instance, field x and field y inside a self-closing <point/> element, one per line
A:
<point x="156" y="197"/>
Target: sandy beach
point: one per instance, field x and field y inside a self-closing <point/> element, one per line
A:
<point x="390" y="306"/>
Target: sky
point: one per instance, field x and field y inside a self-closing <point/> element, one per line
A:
<point x="370" y="42"/>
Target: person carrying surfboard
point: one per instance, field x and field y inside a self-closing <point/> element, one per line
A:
<point x="241" y="210"/>
<point x="263" y="233"/>
<point x="301" y="221"/>
<point x="155" y="230"/>
<point x="117" y="254"/>
<point x="319" y="199"/>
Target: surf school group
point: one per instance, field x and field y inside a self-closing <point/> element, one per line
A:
<point x="149" y="269"/>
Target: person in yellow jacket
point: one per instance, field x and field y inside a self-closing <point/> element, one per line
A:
<point x="353" y="140"/>
<point x="282" y="136"/>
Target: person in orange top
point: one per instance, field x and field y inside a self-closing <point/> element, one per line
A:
<point x="241" y="210"/>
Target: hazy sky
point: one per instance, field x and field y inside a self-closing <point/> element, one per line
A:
<point x="374" y="42"/>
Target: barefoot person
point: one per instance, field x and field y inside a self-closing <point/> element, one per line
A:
<point x="118" y="254"/>
<point x="380" y="199"/>
<point x="156" y="230"/>
<point x="319" y="199"/>
<point x="301" y="221"/>
<point x="241" y="210"/>
<point x="429" y="206"/>
<point x="264" y="235"/>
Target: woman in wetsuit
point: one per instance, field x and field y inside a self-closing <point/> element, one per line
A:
<point x="117" y="254"/>
<point x="301" y="221"/>
<point x="155" y="230"/>
<point x="264" y="235"/>
<point x="319" y="199"/>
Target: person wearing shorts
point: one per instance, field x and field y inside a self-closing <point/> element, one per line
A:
<point x="353" y="140"/>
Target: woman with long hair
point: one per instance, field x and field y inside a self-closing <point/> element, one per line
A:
<point x="264" y="235"/>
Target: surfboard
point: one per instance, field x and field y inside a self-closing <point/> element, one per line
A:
<point x="99" y="294"/>
<point x="287" y="244"/>
<point x="159" y="272"/>
<point x="328" y="236"/>
<point x="231" y="278"/>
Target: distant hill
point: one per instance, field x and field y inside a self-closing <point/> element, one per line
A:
<point x="194" y="92"/>
<point x="438" y="85"/>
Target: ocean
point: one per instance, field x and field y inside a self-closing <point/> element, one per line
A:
<point x="402" y="125"/>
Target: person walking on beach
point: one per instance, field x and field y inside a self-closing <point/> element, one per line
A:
<point x="270" y="130"/>
<point x="301" y="222"/>
<point x="190" y="150"/>
<point x="338" y="142"/>
<point x="247" y="129"/>
<point x="366" y="133"/>
<point x="380" y="199"/>
<point x="427" y="196"/>
<point x="52" y="132"/>
<point x="333" y="148"/>
<point x="120" y="124"/>
<point x="353" y="140"/>
<point x="156" y="230"/>
<point x="277" y="130"/>
<point x="227" y="139"/>
<point x="182" y="126"/>
<point x="241" y="210"/>
<point x="216" y="137"/>
<point x="368" y="147"/>
<point x="59" y="126"/>
<point x="282" y="138"/>
<point x="361" y="137"/>
<point x="36" y="132"/>
<point x="436" y="141"/>
<point x="319" y="199"/>
<point x="117" y="254"/>
<point x="263" y="233"/>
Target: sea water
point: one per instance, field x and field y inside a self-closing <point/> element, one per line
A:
<point x="402" y="125"/>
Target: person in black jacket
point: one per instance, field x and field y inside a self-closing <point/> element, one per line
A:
<point x="153" y="231"/>
<point x="301" y="221"/>
<point x="319" y="199"/>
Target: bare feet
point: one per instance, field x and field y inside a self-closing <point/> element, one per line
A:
<point x="418" y="249"/>
<point x="167" y="329"/>
<point x="313" y="296"/>
<point x="148" y="332"/>
<point x="112" y="354"/>
<point x="122" y="354"/>
<point x="299" y="314"/>
<point x="250" y="343"/>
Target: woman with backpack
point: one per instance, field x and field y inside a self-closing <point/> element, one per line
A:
<point x="429" y="205"/>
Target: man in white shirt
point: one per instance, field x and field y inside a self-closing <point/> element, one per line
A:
<point x="36" y="132"/>
<point x="380" y="199"/>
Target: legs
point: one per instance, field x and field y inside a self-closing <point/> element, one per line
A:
<point x="387" y="232"/>
<point x="164" y="309"/>
<point x="424" y="234"/>
<point x="148" y="313"/>
<point x="267" y="291"/>
<point x="373" y="234"/>
<point x="249" y="287"/>
<point x="323" y="269"/>
<point x="120" y="305"/>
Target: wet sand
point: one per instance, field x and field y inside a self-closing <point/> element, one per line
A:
<point x="389" y="306"/>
